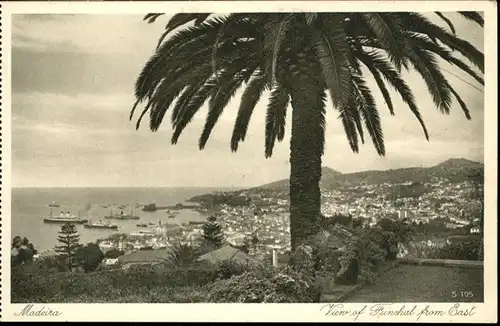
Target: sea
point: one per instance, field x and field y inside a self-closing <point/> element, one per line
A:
<point x="31" y="205"/>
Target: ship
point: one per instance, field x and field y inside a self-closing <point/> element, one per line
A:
<point x="150" y="207"/>
<point x="63" y="218"/>
<point x="142" y="233"/>
<point x="122" y="216"/>
<point x="143" y="225"/>
<point x="100" y="225"/>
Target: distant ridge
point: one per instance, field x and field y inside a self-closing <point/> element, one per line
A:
<point x="454" y="169"/>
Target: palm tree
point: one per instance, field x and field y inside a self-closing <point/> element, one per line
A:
<point x="299" y="58"/>
<point x="182" y="255"/>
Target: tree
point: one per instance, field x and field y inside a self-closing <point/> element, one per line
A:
<point x="114" y="253"/>
<point x="212" y="232"/>
<point x="69" y="239"/>
<point x="22" y="251"/>
<point x="89" y="257"/>
<point x="183" y="255"/>
<point x="299" y="58"/>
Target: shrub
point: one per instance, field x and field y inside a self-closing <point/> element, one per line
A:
<point x="349" y="263"/>
<point x="228" y="268"/>
<point x="55" y="263"/>
<point x="29" y="285"/>
<point x="265" y="285"/>
<point x="467" y="250"/>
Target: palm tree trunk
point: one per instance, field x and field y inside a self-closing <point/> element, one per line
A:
<point x="306" y="150"/>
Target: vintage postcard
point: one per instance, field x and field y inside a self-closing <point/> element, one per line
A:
<point x="317" y="161"/>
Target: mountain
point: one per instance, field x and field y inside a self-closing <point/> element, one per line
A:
<point x="456" y="169"/>
<point x="327" y="174"/>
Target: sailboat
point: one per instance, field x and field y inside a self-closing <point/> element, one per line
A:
<point x="63" y="218"/>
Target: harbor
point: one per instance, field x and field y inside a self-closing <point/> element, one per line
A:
<point x="39" y="214"/>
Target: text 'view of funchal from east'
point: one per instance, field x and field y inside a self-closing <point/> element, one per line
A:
<point x="293" y="157"/>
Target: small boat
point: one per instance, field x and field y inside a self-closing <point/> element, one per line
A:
<point x="100" y="225"/>
<point x="173" y="215"/>
<point x="151" y="223"/>
<point x="142" y="225"/>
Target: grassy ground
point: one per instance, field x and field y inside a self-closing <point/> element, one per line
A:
<point x="409" y="283"/>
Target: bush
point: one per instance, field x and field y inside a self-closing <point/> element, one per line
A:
<point x="55" y="263"/>
<point x="30" y="285"/>
<point x="350" y="266"/>
<point x="229" y="268"/>
<point x="467" y="250"/>
<point x="265" y="285"/>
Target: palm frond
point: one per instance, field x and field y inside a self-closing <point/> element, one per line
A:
<point x="227" y="24"/>
<point x="427" y="66"/>
<point x="185" y="98"/>
<point x="152" y="17"/>
<point x="193" y="70"/>
<point x="275" y="118"/>
<point x="369" y="113"/>
<point x="168" y="91"/>
<point x="424" y="43"/>
<point x="275" y="30"/>
<point x="351" y="126"/>
<point x="388" y="36"/>
<point x="179" y="20"/>
<point x="357" y="120"/>
<point x="474" y="16"/>
<point x="447" y="21"/>
<point x="221" y="95"/>
<point x="376" y="60"/>
<point x="194" y="42"/>
<point x="195" y="103"/>
<point x="417" y="23"/>
<point x="462" y="103"/>
<point x="214" y="51"/>
<point x="331" y="49"/>
<point x="249" y="100"/>
<point x="310" y="17"/>
<point x="383" y="89"/>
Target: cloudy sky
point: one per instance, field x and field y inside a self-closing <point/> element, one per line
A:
<point x="72" y="90"/>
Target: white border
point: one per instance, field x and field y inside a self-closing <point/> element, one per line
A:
<point x="486" y="312"/>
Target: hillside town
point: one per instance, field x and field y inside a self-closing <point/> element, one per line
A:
<point x="265" y="215"/>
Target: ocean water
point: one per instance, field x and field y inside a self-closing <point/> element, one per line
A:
<point x="31" y="205"/>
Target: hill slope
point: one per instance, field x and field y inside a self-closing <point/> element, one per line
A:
<point x="455" y="170"/>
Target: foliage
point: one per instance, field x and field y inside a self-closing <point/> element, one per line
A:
<point x="229" y="268"/>
<point x="341" y="219"/>
<point x="402" y="229"/>
<point x="300" y="58"/>
<point x="113" y="253"/>
<point x="53" y="263"/>
<point x="89" y="257"/>
<point x="22" y="251"/>
<point x="465" y="250"/>
<point x="265" y="285"/>
<point x="34" y="285"/>
<point x="212" y="232"/>
<point x="69" y="239"/>
<point x="183" y="255"/>
<point x="222" y="198"/>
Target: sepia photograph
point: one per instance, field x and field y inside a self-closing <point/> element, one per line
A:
<point x="247" y="157"/>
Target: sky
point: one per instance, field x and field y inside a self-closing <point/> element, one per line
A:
<point x="72" y="90"/>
